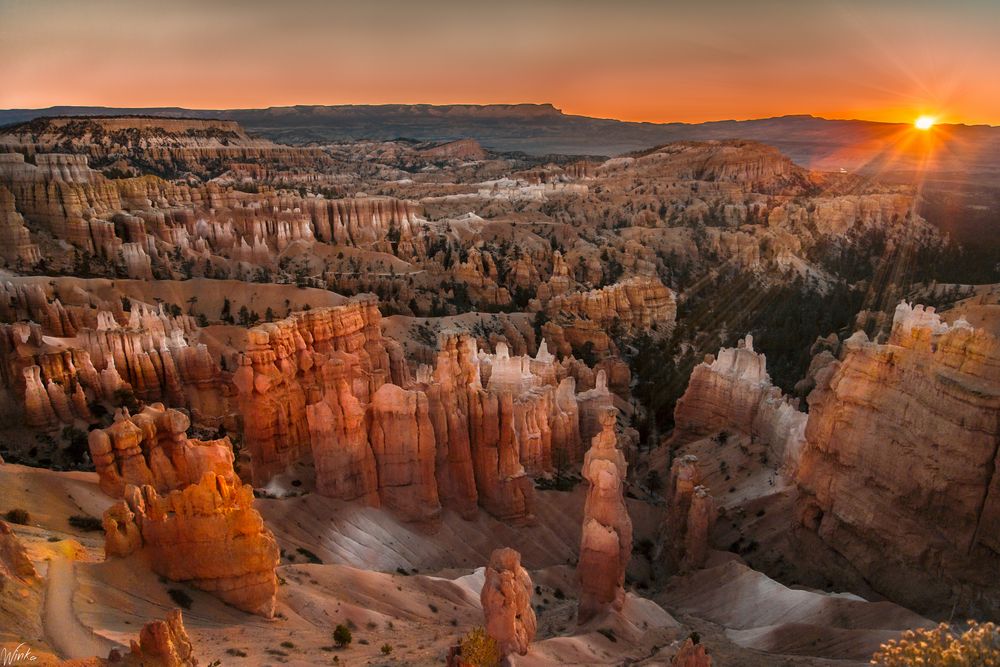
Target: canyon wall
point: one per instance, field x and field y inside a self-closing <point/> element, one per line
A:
<point x="468" y="431"/>
<point x="150" y="356"/>
<point x="899" y="469"/>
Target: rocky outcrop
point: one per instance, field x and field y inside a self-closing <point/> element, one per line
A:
<point x="700" y="519"/>
<point x="559" y="282"/>
<point x="338" y="434"/>
<point x="161" y="644"/>
<point x="691" y="654"/>
<point x="173" y="145"/>
<point x="283" y="371"/>
<point x="366" y="221"/>
<point x="449" y="387"/>
<point x="16" y="247"/>
<point x="152" y="448"/>
<point x="594" y="404"/>
<point x="14" y="561"/>
<point x="402" y="440"/>
<point x="150" y="356"/>
<point x="467" y="432"/>
<point x="208" y="535"/>
<point x="690" y="516"/>
<point x="898" y="471"/>
<point x="20" y="591"/>
<point x="462" y="411"/>
<point x="733" y="391"/>
<point x="631" y="306"/>
<point x="752" y="166"/>
<point x="506" y="600"/>
<point x="606" y="541"/>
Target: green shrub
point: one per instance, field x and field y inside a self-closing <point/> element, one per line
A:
<point x="86" y="523"/>
<point x="180" y="598"/>
<point x="310" y="556"/>
<point x="342" y="636"/>
<point x="18" y="516"/>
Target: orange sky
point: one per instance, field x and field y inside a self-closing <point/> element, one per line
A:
<point x="653" y="60"/>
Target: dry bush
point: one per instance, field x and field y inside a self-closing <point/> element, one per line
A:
<point x="978" y="646"/>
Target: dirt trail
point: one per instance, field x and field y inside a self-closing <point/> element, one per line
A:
<point x="65" y="633"/>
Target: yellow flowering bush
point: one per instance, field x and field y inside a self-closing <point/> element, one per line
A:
<point x="978" y="646"/>
<point x="479" y="649"/>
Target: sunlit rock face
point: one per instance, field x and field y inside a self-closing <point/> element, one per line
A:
<point x="403" y="443"/>
<point x="162" y="643"/>
<point x="21" y="589"/>
<point x="606" y="540"/>
<point x="208" y="535"/>
<point x="284" y="369"/>
<point x="506" y="600"/>
<point x="152" y="448"/>
<point x="446" y="438"/>
<point x="734" y="392"/>
<point x="898" y="473"/>
<point x="345" y="463"/>
<point x="16" y="247"/>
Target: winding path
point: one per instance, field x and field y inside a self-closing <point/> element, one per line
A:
<point x="64" y="631"/>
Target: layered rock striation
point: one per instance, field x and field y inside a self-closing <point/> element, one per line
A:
<point x="585" y="320"/>
<point x="466" y="432"/>
<point x="150" y="356"/>
<point x="898" y="474"/>
<point x="733" y="391"/>
<point x="292" y="363"/>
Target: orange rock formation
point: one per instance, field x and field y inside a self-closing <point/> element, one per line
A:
<point x="506" y="600"/>
<point x="207" y="534"/>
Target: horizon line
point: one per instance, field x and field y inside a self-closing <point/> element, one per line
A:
<point x="488" y="104"/>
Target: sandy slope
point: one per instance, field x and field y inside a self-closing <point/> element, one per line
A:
<point x="432" y="599"/>
<point x="760" y="613"/>
<point x="349" y="534"/>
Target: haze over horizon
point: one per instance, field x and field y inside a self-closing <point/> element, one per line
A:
<point x="644" y="62"/>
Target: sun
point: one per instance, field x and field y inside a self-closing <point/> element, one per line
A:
<point x="924" y="122"/>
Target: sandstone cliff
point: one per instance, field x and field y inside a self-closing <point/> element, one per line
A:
<point x="283" y="371"/>
<point x="150" y="355"/>
<point x="16" y="247"/>
<point x="733" y="391"/>
<point x="898" y="472"/>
